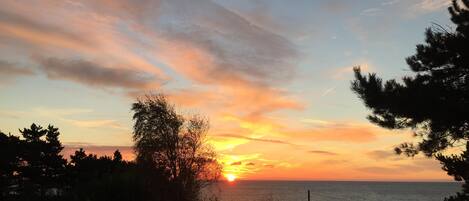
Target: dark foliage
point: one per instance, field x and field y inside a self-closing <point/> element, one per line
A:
<point x="34" y="169"/>
<point x="434" y="100"/>
<point x="112" y="179"/>
<point x="458" y="167"/>
<point x="31" y="168"/>
<point x="9" y="164"/>
<point x="173" y="162"/>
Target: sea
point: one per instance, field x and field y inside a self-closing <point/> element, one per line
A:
<point x="333" y="191"/>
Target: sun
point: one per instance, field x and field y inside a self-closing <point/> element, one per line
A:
<point x="230" y="177"/>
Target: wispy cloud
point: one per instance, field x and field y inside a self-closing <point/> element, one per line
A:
<point x="328" y="91"/>
<point x="132" y="46"/>
<point x="390" y="2"/>
<point x="431" y="5"/>
<point x="371" y="11"/>
<point x="256" y="139"/>
<point x="320" y="152"/>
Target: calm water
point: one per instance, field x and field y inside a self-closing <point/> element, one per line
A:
<point x="328" y="191"/>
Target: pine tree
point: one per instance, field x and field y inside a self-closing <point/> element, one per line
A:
<point x="433" y="100"/>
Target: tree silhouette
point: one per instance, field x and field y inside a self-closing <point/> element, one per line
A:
<point x="9" y="163"/>
<point x="174" y="145"/>
<point x="434" y="100"/>
<point x="104" y="178"/>
<point x="32" y="167"/>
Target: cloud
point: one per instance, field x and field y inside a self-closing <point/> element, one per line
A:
<point x="131" y="46"/>
<point x="431" y="5"/>
<point x="76" y="31"/>
<point x="328" y="91"/>
<point x="233" y="46"/>
<point x="256" y="139"/>
<point x="384" y="155"/>
<point x="390" y="2"/>
<point x="371" y="11"/>
<point x="19" y="27"/>
<point x="317" y="122"/>
<point x="237" y="163"/>
<point x="8" y="69"/>
<point x="320" y="152"/>
<point x="96" y="75"/>
<point x="250" y="164"/>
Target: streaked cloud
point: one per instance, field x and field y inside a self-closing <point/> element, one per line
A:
<point x="371" y="11"/>
<point x="256" y="139"/>
<point x="233" y="45"/>
<point x="237" y="163"/>
<point x="95" y="75"/>
<point x="320" y="152"/>
<point x="384" y="155"/>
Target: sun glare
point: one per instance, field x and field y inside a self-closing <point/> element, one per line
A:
<point x="230" y="177"/>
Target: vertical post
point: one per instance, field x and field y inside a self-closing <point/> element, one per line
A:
<point x="309" y="196"/>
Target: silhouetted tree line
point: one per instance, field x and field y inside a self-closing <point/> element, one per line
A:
<point x="433" y="101"/>
<point x="173" y="162"/>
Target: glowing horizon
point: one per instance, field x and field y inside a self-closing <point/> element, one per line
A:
<point x="273" y="79"/>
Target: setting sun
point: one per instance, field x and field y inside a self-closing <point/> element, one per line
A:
<point x="230" y="177"/>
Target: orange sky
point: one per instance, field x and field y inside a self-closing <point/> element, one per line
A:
<point x="272" y="78"/>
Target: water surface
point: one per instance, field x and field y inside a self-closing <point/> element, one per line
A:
<point x="334" y="190"/>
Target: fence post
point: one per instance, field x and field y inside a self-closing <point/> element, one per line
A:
<point x="309" y="196"/>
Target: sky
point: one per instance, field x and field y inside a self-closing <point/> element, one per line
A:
<point x="273" y="77"/>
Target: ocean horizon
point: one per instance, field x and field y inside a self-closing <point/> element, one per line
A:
<point x="283" y="190"/>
